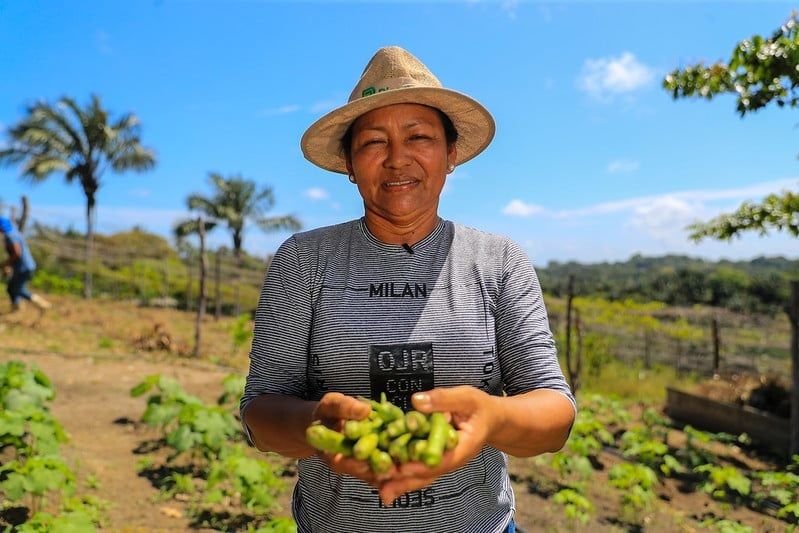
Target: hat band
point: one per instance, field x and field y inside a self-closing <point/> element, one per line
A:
<point x="387" y="84"/>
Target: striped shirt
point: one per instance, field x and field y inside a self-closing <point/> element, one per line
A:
<point x="342" y="311"/>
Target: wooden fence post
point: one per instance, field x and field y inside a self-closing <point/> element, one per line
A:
<point x="793" y="315"/>
<point x="715" y="333"/>
<point x="218" y="284"/>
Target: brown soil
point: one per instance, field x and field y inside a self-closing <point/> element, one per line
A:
<point x="94" y="406"/>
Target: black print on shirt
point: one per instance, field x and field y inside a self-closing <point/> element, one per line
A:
<point x="397" y="290"/>
<point x="400" y="370"/>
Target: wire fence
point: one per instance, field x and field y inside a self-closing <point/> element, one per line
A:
<point x="702" y="340"/>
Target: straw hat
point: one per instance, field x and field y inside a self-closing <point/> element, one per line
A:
<point x="394" y="76"/>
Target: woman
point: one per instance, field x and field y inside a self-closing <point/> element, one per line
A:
<point x="438" y="316"/>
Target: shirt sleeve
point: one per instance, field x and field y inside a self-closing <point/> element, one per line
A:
<point x="527" y="350"/>
<point x="279" y="353"/>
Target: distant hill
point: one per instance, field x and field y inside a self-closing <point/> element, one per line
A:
<point x="758" y="285"/>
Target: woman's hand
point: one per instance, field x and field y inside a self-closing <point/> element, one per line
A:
<point x="472" y="415"/>
<point x="332" y="410"/>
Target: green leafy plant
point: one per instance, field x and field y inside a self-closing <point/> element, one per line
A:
<point x="720" y="481"/>
<point x="249" y="482"/>
<point x="636" y="482"/>
<point x="241" y="332"/>
<point x="577" y="507"/>
<point x="188" y="424"/>
<point x="35" y="479"/>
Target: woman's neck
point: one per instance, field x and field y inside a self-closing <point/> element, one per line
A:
<point x="394" y="232"/>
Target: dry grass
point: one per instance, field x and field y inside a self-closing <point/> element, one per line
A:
<point x="108" y="328"/>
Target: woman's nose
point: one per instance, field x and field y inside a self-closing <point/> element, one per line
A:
<point x="397" y="155"/>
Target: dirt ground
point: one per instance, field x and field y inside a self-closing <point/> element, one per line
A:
<point x="92" y="351"/>
<point x="94" y="406"/>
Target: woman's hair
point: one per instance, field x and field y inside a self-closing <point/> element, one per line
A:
<point x="450" y="133"/>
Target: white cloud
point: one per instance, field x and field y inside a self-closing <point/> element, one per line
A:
<point x="316" y="193"/>
<point x="605" y="77"/>
<point x="324" y="106"/>
<point x="666" y="217"/>
<point x="282" y="110"/>
<point x="623" y="165"/>
<point x="518" y="208"/>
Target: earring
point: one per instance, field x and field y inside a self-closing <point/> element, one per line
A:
<point x="352" y="178"/>
<point x="450" y="169"/>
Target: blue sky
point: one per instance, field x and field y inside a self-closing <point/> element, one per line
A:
<point x="592" y="161"/>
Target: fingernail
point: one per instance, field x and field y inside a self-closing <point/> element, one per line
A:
<point x="421" y="399"/>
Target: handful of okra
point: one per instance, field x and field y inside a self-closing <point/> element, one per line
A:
<point x="388" y="435"/>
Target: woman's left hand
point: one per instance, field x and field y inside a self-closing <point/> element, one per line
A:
<point x="472" y="416"/>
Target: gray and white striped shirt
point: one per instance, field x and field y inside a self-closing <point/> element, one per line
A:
<point x="342" y="311"/>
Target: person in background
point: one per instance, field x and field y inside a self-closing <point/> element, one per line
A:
<point x="19" y="267"/>
<point x="436" y="315"/>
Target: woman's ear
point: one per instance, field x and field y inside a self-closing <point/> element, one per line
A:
<point x="452" y="155"/>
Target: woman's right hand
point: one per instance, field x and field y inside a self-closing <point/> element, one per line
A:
<point x="332" y="410"/>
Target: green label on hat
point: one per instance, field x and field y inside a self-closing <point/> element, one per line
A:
<point x="368" y="91"/>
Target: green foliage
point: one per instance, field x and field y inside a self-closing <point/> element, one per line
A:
<point x="189" y="424"/>
<point x="247" y="481"/>
<point x="233" y="390"/>
<point x="775" y="211"/>
<point x="25" y="423"/>
<point x="237" y="201"/>
<point x="576" y="506"/>
<point x="52" y="283"/>
<point x="220" y="472"/>
<point x="36" y="477"/>
<point x="746" y="286"/>
<point x="20" y="387"/>
<point x="276" y="525"/>
<point x="760" y="71"/>
<point x="721" y="480"/>
<point x="726" y="526"/>
<point x="636" y="482"/>
<point x="241" y="331"/>
<point x="637" y="444"/>
<point x="694" y="453"/>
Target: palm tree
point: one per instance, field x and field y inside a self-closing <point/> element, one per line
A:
<point x="80" y="143"/>
<point x="182" y="230"/>
<point x="235" y="201"/>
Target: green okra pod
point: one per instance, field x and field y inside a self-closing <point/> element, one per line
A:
<point x="383" y="440"/>
<point x="417" y="423"/>
<point x="325" y="439"/>
<point x="397" y="427"/>
<point x="416" y="448"/>
<point x="364" y="446"/>
<point x="380" y="461"/>
<point x="436" y="439"/>
<point x="452" y="438"/>
<point x="355" y="429"/>
<point x="398" y="449"/>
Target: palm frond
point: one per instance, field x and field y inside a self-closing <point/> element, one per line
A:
<point x="38" y="167"/>
<point x="286" y="222"/>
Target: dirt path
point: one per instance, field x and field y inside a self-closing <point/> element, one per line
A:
<point x="94" y="406"/>
<point x="92" y="398"/>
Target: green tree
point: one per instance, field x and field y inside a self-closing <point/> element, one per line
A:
<point x="236" y="201"/>
<point x="760" y="71"/>
<point x="81" y="143"/>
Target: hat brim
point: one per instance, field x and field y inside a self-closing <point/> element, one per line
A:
<point x="321" y="143"/>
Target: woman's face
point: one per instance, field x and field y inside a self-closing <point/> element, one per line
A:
<point x="399" y="157"/>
